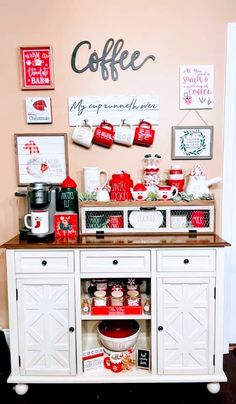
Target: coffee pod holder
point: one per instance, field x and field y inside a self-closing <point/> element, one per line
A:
<point x="147" y="217"/>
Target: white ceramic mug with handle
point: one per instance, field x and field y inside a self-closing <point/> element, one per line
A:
<point x="92" y="179"/>
<point x="39" y="222"/>
<point x="83" y="135"/>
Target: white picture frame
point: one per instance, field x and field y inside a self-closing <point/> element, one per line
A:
<point x="41" y="157"/>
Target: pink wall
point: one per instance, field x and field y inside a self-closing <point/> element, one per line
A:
<point x="177" y="32"/>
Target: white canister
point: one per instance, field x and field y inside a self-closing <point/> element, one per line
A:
<point x="100" y="298"/>
<point x="92" y="178"/>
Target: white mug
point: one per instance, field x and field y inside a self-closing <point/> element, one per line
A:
<point x="83" y="135"/>
<point x="39" y="222"/>
<point x="92" y="179"/>
<point x="124" y="135"/>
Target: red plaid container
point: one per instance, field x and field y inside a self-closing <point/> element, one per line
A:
<point x="66" y="225"/>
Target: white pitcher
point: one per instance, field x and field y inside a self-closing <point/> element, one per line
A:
<point x="92" y="179"/>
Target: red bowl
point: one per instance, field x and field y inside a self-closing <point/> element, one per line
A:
<point x="118" y="328"/>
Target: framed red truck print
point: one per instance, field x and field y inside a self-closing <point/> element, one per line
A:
<point x="36" y="67"/>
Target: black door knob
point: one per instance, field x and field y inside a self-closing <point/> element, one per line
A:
<point x="186" y="261"/>
<point x="115" y="262"/>
<point x="71" y="329"/>
<point x="160" y="328"/>
<point x="44" y="263"/>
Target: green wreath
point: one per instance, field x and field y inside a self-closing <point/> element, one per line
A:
<point x="196" y="152"/>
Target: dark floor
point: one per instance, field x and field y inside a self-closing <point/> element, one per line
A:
<point x="189" y="393"/>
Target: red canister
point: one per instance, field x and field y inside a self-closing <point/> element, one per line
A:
<point x="121" y="185"/>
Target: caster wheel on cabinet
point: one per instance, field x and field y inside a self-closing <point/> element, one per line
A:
<point x="213" y="388"/>
<point x="21" y="389"/>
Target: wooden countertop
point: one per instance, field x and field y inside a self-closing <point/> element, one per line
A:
<point x="123" y="241"/>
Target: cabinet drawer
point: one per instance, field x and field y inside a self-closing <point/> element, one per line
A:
<point x="115" y="261"/>
<point x="186" y="260"/>
<point x="44" y="261"/>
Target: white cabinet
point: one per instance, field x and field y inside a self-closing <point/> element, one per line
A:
<point x="184" y="331"/>
<point x="186" y="310"/>
<point x="46" y="326"/>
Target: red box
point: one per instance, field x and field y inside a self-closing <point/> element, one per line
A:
<point x="116" y="310"/>
<point x="66" y="225"/>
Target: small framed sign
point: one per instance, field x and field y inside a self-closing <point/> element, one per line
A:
<point x="192" y="142"/>
<point x="36" y="67"/>
<point x="143" y="359"/>
<point x="38" y="109"/>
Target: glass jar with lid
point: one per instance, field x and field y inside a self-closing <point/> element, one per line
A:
<point x="117" y="298"/>
<point x="100" y="298"/>
<point x="133" y="298"/>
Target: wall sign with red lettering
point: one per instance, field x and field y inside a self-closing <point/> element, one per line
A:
<point x="196" y="87"/>
<point x="36" y="68"/>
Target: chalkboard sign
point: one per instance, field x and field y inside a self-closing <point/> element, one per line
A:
<point x="143" y="359"/>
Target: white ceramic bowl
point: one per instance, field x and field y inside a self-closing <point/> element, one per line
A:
<point x="115" y="343"/>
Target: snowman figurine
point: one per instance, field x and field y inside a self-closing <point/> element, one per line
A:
<point x="139" y="192"/>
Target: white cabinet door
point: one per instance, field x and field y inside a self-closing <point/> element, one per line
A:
<point x="46" y="326"/>
<point x="185" y="325"/>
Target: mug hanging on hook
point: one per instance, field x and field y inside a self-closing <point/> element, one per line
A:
<point x="144" y="134"/>
<point x="83" y="134"/>
<point x="124" y="134"/>
<point x="104" y="134"/>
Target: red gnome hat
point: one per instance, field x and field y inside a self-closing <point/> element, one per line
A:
<point x="140" y="187"/>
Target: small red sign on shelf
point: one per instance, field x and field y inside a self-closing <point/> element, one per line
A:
<point x="66" y="225"/>
<point x="116" y="310"/>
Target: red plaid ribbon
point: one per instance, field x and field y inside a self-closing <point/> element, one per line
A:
<point x="32" y="147"/>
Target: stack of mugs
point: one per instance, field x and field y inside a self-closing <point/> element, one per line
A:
<point x="176" y="177"/>
<point x="105" y="134"/>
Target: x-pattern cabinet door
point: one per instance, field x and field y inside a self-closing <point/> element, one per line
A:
<point x="186" y="310"/>
<point x="46" y="326"/>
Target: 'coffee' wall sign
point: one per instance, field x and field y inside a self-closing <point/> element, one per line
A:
<point x="112" y="57"/>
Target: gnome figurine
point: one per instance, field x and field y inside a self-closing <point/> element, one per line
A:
<point x="139" y="192"/>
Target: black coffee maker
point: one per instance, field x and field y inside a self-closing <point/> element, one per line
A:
<point x="41" y="197"/>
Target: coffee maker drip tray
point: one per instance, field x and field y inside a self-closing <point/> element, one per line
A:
<point x="25" y="234"/>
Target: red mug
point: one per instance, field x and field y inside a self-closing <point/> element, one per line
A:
<point x="144" y="134"/>
<point x="198" y="218"/>
<point x="104" y="134"/>
<point x="115" y="221"/>
<point x="114" y="362"/>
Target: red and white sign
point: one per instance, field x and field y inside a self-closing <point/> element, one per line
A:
<point x="36" y="65"/>
<point x="196" y="87"/>
<point x="38" y="110"/>
<point x="66" y="225"/>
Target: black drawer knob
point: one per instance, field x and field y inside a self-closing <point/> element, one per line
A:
<point x="44" y="263"/>
<point x="160" y="328"/>
<point x="115" y="262"/>
<point x="71" y="329"/>
<point x="186" y="261"/>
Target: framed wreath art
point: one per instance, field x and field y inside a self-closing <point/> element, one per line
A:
<point x="192" y="142"/>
